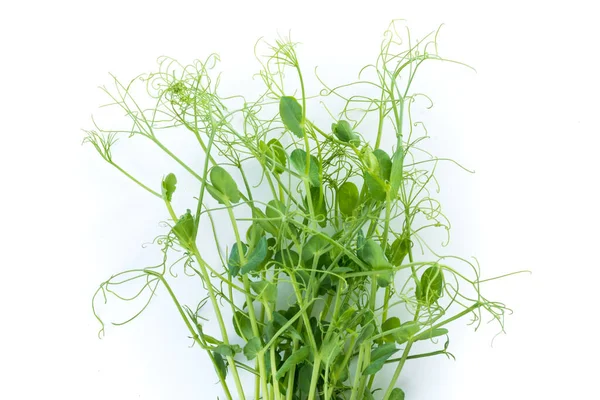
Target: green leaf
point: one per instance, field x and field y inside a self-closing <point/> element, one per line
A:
<point x="379" y="356"/>
<point x="304" y="375"/>
<point x="220" y="365"/>
<point x="396" y="172"/>
<point x="296" y="357"/>
<point x="376" y="187"/>
<point x="360" y="244"/>
<point x="397" y="394"/>
<point x="347" y="197"/>
<point x="225" y="186"/>
<point x="291" y="115"/>
<point x="365" y="333"/>
<point x="319" y="205"/>
<point x="254" y="233"/>
<point x="267" y="357"/>
<point x="313" y="246"/>
<point x="432" y="333"/>
<point x="185" y="231"/>
<point x="234" y="261"/>
<point x="256" y="256"/>
<point x="276" y="323"/>
<point x="430" y="288"/>
<point x="368" y="396"/>
<point x="287" y="258"/>
<point x="389" y="324"/>
<point x="330" y="349"/>
<point x="274" y="152"/>
<point x="373" y="255"/>
<point x="227" y="350"/>
<point x="344" y="132"/>
<point x="242" y="325"/>
<point x="265" y="289"/>
<point x="399" y="250"/>
<point x="252" y="348"/>
<point x="406" y="332"/>
<point x="169" y="184"/>
<point x="385" y="164"/>
<point x="298" y="160"/>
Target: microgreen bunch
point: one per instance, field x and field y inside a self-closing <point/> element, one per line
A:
<point x="329" y="277"/>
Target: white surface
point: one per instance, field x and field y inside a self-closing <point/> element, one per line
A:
<point x="527" y="122"/>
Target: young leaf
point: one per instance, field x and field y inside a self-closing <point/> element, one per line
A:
<point x="385" y="164"/>
<point x="234" y="261"/>
<point x="296" y="357"/>
<point x="242" y="325"/>
<point x="291" y="115"/>
<point x="397" y="394"/>
<point x="169" y="184"/>
<point x="376" y="187"/>
<point x="278" y="154"/>
<point x="365" y="333"/>
<point x="256" y="256"/>
<point x="304" y="375"/>
<point x="185" y="231"/>
<point x="225" y="186"/>
<point x="252" y="348"/>
<point x="220" y="365"/>
<point x="319" y="205"/>
<point x="406" y="332"/>
<point x="360" y="244"/>
<point x="344" y="132"/>
<point x="399" y="250"/>
<point x="227" y="350"/>
<point x="396" y="172"/>
<point x="389" y="324"/>
<point x="431" y="285"/>
<point x="373" y="255"/>
<point x="265" y="289"/>
<point x="298" y="160"/>
<point x="347" y="197"/>
<point x="432" y="333"/>
<point x="379" y="356"/>
<point x="314" y="245"/>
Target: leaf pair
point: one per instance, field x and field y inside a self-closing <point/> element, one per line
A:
<point x="401" y="332"/>
<point x="276" y="158"/>
<point x="251" y="260"/>
<point x="343" y="131"/>
<point x="378" y="169"/>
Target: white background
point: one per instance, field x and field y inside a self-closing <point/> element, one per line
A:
<point x="526" y="122"/>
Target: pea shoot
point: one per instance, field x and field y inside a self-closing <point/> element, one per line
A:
<point x="328" y="280"/>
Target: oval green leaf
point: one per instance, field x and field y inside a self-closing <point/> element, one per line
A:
<point x="252" y="348"/>
<point x="397" y="394"/>
<point x="291" y="115"/>
<point x="343" y="131"/>
<point x="385" y="164"/>
<point x="347" y="197"/>
<point x="185" y="231"/>
<point x="431" y="285"/>
<point x="298" y="160"/>
<point x="169" y="184"/>
<point x="224" y="184"/>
